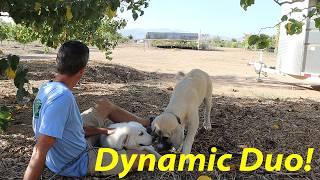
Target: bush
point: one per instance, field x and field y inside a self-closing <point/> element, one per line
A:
<point x="5" y="31"/>
<point x="226" y="43"/>
<point x="24" y="35"/>
<point x="181" y="44"/>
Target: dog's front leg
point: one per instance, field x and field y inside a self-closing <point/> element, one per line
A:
<point x="191" y="133"/>
<point x="208" y="106"/>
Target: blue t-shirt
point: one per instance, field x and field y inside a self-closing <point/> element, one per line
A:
<point x="56" y="114"/>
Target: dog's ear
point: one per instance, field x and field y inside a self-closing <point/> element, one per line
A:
<point x="177" y="136"/>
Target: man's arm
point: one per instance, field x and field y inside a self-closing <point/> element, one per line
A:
<point x="37" y="161"/>
<point x="92" y="131"/>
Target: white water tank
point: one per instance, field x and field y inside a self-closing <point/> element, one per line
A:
<point x="299" y="55"/>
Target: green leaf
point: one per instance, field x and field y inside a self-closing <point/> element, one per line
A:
<point x="19" y="81"/>
<point x="246" y="3"/>
<point x="3" y="66"/>
<point x="20" y="78"/>
<point x="110" y="13"/>
<point x="146" y="5"/>
<point x="3" y="125"/>
<point x="5" y="118"/>
<point x="135" y="15"/>
<point x="312" y="13"/>
<point x="317" y="22"/>
<point x="5" y="115"/>
<point x="294" y="27"/>
<point x="13" y="61"/>
<point x="4" y="108"/>
<point x="318" y="6"/>
<point x="284" y="18"/>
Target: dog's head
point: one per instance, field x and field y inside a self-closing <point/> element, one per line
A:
<point x="137" y="136"/>
<point x="132" y="135"/>
<point x="167" y="131"/>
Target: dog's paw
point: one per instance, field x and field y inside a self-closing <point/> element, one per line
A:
<point x="207" y="126"/>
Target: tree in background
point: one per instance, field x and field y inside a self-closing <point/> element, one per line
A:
<point x="23" y="34"/>
<point x="293" y="26"/>
<point x="5" y="31"/>
<point x="93" y="22"/>
<point x="53" y="22"/>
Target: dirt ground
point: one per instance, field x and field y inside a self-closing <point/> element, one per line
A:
<point x="278" y="115"/>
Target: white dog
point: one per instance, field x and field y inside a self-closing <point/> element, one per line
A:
<point x="126" y="136"/>
<point x="183" y="110"/>
<point x="131" y="135"/>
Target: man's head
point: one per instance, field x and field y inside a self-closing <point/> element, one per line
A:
<point x="72" y="58"/>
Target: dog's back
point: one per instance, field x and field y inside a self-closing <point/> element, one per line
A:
<point x="194" y="86"/>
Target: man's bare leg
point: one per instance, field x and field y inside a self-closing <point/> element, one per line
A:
<point x="117" y="114"/>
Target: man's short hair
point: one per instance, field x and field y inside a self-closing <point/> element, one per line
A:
<point x="72" y="57"/>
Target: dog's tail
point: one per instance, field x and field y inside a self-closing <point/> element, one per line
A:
<point x="180" y="75"/>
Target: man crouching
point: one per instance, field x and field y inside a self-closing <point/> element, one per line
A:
<point x="58" y="126"/>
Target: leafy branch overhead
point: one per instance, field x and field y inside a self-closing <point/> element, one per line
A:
<point x="56" y="21"/>
<point x="11" y="69"/>
<point x="292" y="25"/>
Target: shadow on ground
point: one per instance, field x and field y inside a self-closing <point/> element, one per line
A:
<point x="271" y="125"/>
<point x="95" y="72"/>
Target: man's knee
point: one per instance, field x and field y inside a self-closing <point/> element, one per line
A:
<point x="104" y="107"/>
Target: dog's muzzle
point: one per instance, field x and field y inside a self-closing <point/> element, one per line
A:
<point x="163" y="144"/>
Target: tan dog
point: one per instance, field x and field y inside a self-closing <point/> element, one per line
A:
<point x="183" y="110"/>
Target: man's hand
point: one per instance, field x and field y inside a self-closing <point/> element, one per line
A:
<point x="37" y="161"/>
<point x="92" y="131"/>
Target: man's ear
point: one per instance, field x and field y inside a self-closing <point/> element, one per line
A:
<point x="81" y="72"/>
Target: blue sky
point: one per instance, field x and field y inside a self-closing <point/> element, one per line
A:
<point x="215" y="17"/>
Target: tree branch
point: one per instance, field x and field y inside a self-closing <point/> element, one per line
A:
<point x="286" y="2"/>
<point x="292" y="11"/>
